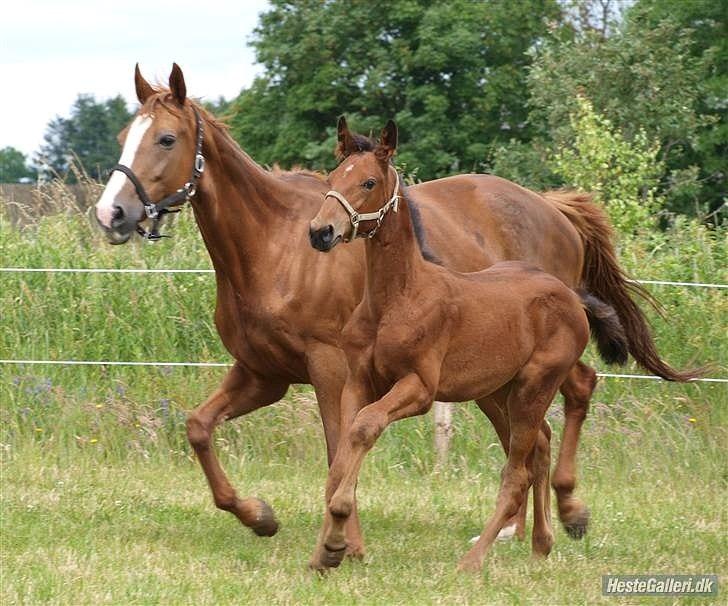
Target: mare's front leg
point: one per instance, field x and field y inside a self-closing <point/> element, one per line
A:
<point x="408" y="397"/>
<point x="240" y="393"/>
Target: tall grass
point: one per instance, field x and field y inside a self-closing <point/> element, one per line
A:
<point x="101" y="430"/>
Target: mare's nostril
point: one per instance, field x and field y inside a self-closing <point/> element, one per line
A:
<point x="117" y="215"/>
<point x="118" y="212"/>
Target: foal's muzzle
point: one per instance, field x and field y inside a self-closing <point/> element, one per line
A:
<point x="323" y="238"/>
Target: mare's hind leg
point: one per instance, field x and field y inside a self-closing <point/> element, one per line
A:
<point x="240" y="393"/>
<point x="577" y="390"/>
<point x="494" y="408"/>
<point x="407" y="398"/>
<point x="530" y="394"/>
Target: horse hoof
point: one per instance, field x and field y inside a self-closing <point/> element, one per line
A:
<point x="470" y="565"/>
<point x="355" y="552"/>
<point x="265" y="524"/>
<point x="327" y="558"/>
<point x="576" y="528"/>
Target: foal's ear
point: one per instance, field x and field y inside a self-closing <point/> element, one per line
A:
<point x="177" y="84"/>
<point x="346" y="144"/>
<point x="387" y="141"/>
<point x="144" y="90"/>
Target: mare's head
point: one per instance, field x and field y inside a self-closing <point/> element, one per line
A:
<point x="365" y="180"/>
<point x="159" y="149"/>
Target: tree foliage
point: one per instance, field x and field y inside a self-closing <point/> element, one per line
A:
<point x="87" y="136"/>
<point x="14" y="166"/>
<point x="624" y="174"/>
<point x="451" y="73"/>
<point x="655" y="74"/>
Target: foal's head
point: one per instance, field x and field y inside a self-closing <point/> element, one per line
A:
<point x="159" y="148"/>
<point x="365" y="179"/>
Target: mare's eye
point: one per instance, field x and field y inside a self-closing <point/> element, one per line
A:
<point x="369" y="184"/>
<point x="167" y="140"/>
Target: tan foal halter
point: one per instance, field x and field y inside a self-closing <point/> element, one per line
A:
<point x="377" y="216"/>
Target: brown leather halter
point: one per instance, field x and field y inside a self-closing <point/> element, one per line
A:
<point x="155" y="211"/>
<point x="355" y="217"/>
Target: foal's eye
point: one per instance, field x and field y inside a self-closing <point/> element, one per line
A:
<point x="167" y="140"/>
<point x="369" y="184"/>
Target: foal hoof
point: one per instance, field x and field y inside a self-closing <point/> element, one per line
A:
<point x="576" y="526"/>
<point x="327" y="558"/>
<point x="265" y="524"/>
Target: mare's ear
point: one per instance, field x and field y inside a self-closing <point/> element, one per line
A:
<point x="177" y="84"/>
<point x="346" y="144"/>
<point x="387" y="142"/>
<point x="144" y="90"/>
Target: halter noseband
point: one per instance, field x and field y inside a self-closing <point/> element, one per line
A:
<point x="155" y="211"/>
<point x="355" y="217"/>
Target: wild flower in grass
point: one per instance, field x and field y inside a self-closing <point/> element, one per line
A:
<point x="99" y="406"/>
<point x="692" y="420"/>
<point x="39" y="430"/>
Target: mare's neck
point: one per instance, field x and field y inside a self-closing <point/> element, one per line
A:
<point x="240" y="208"/>
<point x="393" y="257"/>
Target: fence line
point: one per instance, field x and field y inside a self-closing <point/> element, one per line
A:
<point x="111" y="270"/>
<point x="607" y="375"/>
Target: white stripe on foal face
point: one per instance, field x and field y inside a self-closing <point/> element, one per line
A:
<point x="105" y="205"/>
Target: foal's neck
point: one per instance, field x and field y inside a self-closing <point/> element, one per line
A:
<point x="394" y="259"/>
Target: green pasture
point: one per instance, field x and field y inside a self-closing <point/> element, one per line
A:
<point x="104" y="503"/>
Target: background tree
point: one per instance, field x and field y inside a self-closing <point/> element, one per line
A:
<point x="452" y="75"/>
<point x="88" y="136"/>
<point x="655" y="73"/>
<point x="14" y="166"/>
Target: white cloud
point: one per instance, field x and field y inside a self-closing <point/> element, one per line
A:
<point x="50" y="52"/>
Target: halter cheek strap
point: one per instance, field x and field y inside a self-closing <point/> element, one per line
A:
<point x="355" y="217"/>
<point x="155" y="211"/>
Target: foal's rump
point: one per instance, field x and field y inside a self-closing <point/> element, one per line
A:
<point x="507" y="314"/>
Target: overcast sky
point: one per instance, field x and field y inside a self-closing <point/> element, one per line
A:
<point x="50" y="51"/>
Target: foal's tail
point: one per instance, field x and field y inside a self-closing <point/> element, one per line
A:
<point x="604" y="278"/>
<point x="606" y="329"/>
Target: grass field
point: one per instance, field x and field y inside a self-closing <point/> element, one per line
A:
<point x="103" y="502"/>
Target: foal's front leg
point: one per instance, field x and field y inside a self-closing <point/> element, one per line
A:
<point x="408" y="397"/>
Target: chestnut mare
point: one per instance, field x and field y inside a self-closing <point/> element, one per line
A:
<point x="281" y="305"/>
<point x="509" y="334"/>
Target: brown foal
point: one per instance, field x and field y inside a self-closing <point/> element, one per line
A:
<point x="510" y="334"/>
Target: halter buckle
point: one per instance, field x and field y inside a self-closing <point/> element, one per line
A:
<point x="199" y="163"/>
<point x="354" y="218"/>
<point x="151" y="211"/>
<point x="190" y="189"/>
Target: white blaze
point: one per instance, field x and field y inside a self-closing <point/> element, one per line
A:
<point x="105" y="205"/>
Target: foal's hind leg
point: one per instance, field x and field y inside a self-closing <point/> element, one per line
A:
<point x="542" y="536"/>
<point x="494" y="408"/>
<point x="577" y="390"/>
<point x="240" y="393"/>
<point x="530" y="395"/>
